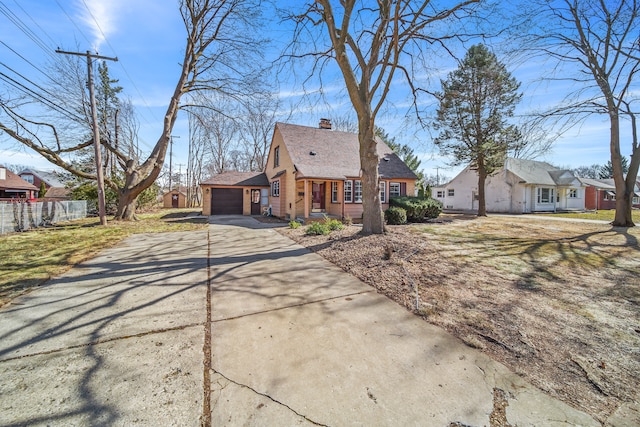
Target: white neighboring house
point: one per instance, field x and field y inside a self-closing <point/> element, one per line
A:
<point x="520" y="186"/>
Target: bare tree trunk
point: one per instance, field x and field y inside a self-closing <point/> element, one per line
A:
<point x="372" y="217"/>
<point x="482" y="204"/>
<point x="624" y="194"/>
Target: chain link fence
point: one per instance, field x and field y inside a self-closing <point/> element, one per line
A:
<point x="21" y="216"/>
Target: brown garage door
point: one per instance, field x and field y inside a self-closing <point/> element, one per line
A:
<point x="226" y="201"/>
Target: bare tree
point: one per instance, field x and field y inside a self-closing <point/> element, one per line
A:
<point x="600" y="40"/>
<point x="221" y="45"/>
<point x="371" y="43"/>
<point x="256" y="127"/>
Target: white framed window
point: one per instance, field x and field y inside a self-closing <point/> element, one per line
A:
<point x="609" y="195"/>
<point x="275" y="188"/>
<point x="334" y="192"/>
<point x="348" y="191"/>
<point x="451" y="192"/>
<point x="394" y="189"/>
<point x="573" y="193"/>
<point x="357" y="191"/>
<point x="440" y="194"/>
<point x="545" y="195"/>
<point x="264" y="197"/>
<point x="383" y="192"/>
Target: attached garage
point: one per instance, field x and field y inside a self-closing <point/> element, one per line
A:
<point x="235" y="193"/>
<point x="226" y="201"/>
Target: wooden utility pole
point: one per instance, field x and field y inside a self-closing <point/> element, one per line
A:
<point x="96" y="129"/>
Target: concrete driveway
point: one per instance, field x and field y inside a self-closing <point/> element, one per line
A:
<point x="283" y="338"/>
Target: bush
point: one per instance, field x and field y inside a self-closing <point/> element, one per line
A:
<point x="294" y="224"/>
<point x="417" y="209"/>
<point x="395" y="215"/>
<point x="333" y="224"/>
<point x="317" y="229"/>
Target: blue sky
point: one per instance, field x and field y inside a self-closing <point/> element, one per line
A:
<point x="147" y="37"/>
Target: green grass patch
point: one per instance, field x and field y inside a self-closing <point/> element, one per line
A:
<point x="30" y="258"/>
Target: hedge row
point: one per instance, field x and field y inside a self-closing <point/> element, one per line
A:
<point x="416" y="209"/>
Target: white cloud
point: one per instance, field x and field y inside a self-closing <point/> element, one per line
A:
<point x="100" y="16"/>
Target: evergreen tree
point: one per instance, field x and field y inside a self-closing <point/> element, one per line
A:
<point x="476" y="100"/>
<point x="606" y="171"/>
<point x="404" y="152"/>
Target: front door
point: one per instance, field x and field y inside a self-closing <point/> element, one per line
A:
<point x="317" y="197"/>
<point x="174" y="201"/>
<point x="255" y="202"/>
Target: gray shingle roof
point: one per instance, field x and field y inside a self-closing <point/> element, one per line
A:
<point x="531" y="171"/>
<point x="233" y="178"/>
<point x="539" y="173"/>
<point x="605" y="184"/>
<point x="329" y="154"/>
<point x="51" y="178"/>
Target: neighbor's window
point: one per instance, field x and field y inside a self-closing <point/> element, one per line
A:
<point x="440" y="194"/>
<point x="573" y="193"/>
<point x="276" y="157"/>
<point x="545" y="195"/>
<point x="275" y="188"/>
<point x="383" y="192"/>
<point x="334" y="192"/>
<point x="357" y="191"/>
<point x="451" y="192"/>
<point x="348" y="191"/>
<point x="28" y="178"/>
<point x="610" y="195"/>
<point x="394" y="189"/>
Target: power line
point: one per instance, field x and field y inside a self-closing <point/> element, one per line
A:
<point x="34" y="21"/>
<point x="73" y="22"/>
<point x="25" y="29"/>
<point x="30" y="92"/>
<point x="104" y="36"/>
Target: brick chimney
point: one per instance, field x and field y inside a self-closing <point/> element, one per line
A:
<point x="325" y="124"/>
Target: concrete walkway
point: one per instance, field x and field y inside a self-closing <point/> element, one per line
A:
<point x="284" y="338"/>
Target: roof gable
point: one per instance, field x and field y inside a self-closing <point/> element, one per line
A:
<point x="52" y="179"/>
<point x="323" y="153"/>
<point x="12" y="181"/>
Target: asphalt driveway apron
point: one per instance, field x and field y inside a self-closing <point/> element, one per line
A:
<point x="297" y="341"/>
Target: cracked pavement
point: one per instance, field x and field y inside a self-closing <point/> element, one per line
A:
<point x="133" y="337"/>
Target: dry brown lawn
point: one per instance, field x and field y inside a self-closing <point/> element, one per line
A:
<point x="557" y="302"/>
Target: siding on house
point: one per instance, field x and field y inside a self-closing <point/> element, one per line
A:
<point x="309" y="155"/>
<point x="521" y="186"/>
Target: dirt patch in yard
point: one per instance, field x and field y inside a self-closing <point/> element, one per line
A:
<point x="557" y="302"/>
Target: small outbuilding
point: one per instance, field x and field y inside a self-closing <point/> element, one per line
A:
<point x="175" y="198"/>
<point x="235" y="193"/>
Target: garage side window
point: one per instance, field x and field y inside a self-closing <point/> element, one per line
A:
<point x="275" y="188"/>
